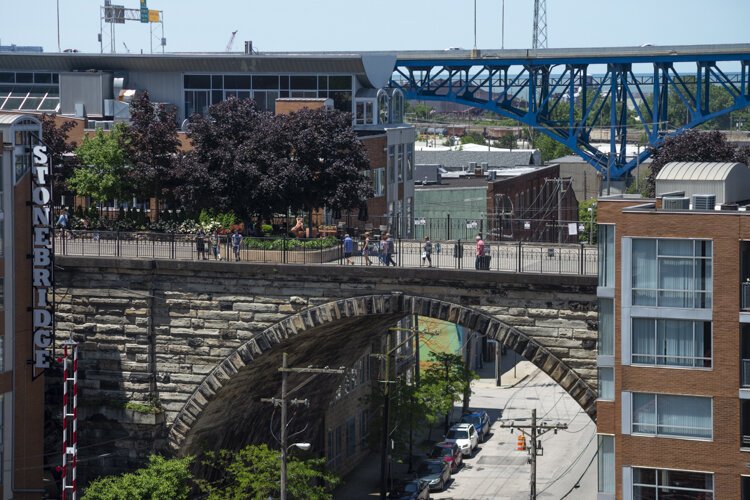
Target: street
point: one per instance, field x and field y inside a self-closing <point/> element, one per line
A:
<point x="497" y="471"/>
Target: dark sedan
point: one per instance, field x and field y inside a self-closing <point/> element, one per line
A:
<point x="436" y="473"/>
<point x="450" y="453"/>
<point x="410" y="490"/>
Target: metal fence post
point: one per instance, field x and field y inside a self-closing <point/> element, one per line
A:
<point x="448" y="227"/>
<point x="581" y="260"/>
<point x="520" y="258"/>
<point x="117" y="244"/>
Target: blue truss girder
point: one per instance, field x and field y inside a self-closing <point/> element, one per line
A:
<point x="532" y="89"/>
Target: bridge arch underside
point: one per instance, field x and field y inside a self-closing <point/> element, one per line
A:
<point x="225" y="411"/>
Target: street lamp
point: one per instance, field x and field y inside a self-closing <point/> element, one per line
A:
<point x="284" y="451"/>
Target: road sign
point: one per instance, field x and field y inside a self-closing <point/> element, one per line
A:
<point x="154" y="16"/>
<point x="144" y="11"/>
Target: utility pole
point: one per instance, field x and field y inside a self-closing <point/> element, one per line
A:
<point x="534" y="431"/>
<point x="283" y="402"/>
<point x="386" y="427"/>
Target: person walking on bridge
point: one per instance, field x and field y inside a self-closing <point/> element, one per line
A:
<point x="236" y="240"/>
<point x="348" y="249"/>
<point x="427" y="251"/>
<point x="479" y="262"/>
<point x="389" y="251"/>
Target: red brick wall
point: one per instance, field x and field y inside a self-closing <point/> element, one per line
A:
<point x="722" y="455"/>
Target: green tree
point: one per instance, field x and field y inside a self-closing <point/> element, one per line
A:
<point x="507" y="141"/>
<point x="446" y="381"/>
<point x="254" y="472"/>
<point x="588" y="219"/>
<point x="473" y="138"/>
<point x="162" y="478"/>
<point x="421" y="111"/>
<point x="103" y="169"/>
<point x="549" y="147"/>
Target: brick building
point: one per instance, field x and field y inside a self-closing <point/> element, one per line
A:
<point x="673" y="414"/>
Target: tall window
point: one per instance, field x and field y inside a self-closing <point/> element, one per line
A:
<point x="668" y="415"/>
<point x="378" y="181"/>
<point x="671" y="342"/>
<point x="400" y="163"/>
<point x="391" y="164"/>
<point x="672" y="273"/>
<point x="410" y="161"/>
<point x="606" y="327"/>
<point x="685" y="485"/>
<point x="397" y="105"/>
<point x="383" y="107"/>
<point x="606" y="234"/>
<point x="606" y="464"/>
<point x="606" y="380"/>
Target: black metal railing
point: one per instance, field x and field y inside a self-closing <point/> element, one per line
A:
<point x="516" y="257"/>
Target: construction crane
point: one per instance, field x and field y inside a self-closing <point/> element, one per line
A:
<point x="231" y="41"/>
<point x="539" y="37"/>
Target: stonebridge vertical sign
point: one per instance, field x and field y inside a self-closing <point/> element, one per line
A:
<point x="42" y="258"/>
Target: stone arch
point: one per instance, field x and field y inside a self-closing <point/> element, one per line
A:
<point x="389" y="308"/>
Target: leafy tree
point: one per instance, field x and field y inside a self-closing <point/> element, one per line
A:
<point x="549" y="147"/>
<point x="162" y="478"/>
<point x="103" y="169"/>
<point x="421" y="111"/>
<point x="150" y="143"/>
<point x="691" y="145"/>
<point x="588" y="219"/>
<point x="59" y="147"/>
<point x="240" y="161"/>
<point x="473" y="138"/>
<point x="446" y="381"/>
<point x="507" y="141"/>
<point x="327" y="161"/>
<point x="254" y="472"/>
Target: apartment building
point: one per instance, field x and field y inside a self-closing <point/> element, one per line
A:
<point x="673" y="415"/>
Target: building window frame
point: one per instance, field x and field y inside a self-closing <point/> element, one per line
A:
<point x="605" y="463"/>
<point x="662" y="483"/>
<point x="606" y="383"/>
<point x="606" y="246"/>
<point x="655" y="422"/>
<point x="648" y="273"/>
<point x="654" y="358"/>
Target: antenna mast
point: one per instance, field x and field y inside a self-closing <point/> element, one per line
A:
<point x="539" y="38"/>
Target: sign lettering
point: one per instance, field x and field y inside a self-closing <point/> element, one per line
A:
<point x="41" y="272"/>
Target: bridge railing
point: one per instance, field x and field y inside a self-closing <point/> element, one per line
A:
<point x="523" y="257"/>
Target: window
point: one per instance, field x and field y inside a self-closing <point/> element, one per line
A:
<point x="391" y="164"/>
<point x="410" y="161"/>
<point x="339" y="447"/>
<point x="378" y="181"/>
<point x="360" y="117"/>
<point x="400" y="162"/>
<point x="606" y="379"/>
<point x="745" y="487"/>
<point x="672" y="273"/>
<point x="351" y="437"/>
<point x="668" y="415"/>
<point x="667" y="484"/>
<point x="745" y="424"/>
<point x="606" y="233"/>
<point x="397" y="105"/>
<point x="383" y="111"/>
<point x="606" y="464"/>
<point x="606" y="342"/>
<point x="671" y="342"/>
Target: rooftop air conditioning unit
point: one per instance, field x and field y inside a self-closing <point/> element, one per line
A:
<point x="675" y="203"/>
<point x="730" y="206"/>
<point x="704" y="201"/>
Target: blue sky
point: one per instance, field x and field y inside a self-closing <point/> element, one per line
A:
<point x="351" y="25"/>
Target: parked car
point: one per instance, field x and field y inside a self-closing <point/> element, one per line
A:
<point x="465" y="436"/>
<point x="436" y="473"/>
<point x="481" y="422"/>
<point x="410" y="490"/>
<point x="449" y="453"/>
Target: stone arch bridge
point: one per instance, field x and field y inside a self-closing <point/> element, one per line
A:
<point x="205" y="338"/>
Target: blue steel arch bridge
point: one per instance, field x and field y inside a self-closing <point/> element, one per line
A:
<point x="568" y="93"/>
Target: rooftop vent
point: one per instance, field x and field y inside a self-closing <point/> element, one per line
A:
<point x="675" y="203"/>
<point x="704" y="201"/>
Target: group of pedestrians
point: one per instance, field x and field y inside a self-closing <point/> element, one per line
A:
<point x="214" y="245"/>
<point x="385" y="249"/>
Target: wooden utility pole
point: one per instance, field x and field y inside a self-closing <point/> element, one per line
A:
<point x="283" y="402"/>
<point x="535" y="449"/>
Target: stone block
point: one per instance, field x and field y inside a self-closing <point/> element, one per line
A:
<point x="255" y="307"/>
<point x="270" y="317"/>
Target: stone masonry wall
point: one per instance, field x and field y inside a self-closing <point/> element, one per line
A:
<point x="150" y="331"/>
